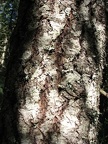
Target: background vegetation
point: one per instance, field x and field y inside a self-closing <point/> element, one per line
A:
<point x="8" y="18"/>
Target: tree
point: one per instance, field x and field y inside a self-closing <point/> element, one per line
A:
<point x="54" y="73"/>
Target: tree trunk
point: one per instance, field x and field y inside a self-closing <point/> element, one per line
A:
<point x="54" y="73"/>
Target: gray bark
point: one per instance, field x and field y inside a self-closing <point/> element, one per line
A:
<point x="54" y="73"/>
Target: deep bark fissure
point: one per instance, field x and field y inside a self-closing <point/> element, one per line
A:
<point x="54" y="74"/>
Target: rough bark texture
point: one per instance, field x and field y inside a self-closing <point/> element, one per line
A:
<point x="54" y="73"/>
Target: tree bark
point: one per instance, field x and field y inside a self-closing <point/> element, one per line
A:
<point x="54" y="73"/>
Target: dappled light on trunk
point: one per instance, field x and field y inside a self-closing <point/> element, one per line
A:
<point x="54" y="73"/>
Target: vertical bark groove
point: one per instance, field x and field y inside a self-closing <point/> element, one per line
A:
<point x="54" y="73"/>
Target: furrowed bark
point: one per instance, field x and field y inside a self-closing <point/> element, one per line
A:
<point x="54" y="73"/>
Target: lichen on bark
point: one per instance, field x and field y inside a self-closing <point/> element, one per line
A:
<point x="57" y="71"/>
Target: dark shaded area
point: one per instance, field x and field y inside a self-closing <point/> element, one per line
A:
<point x="103" y="134"/>
<point x="78" y="3"/>
<point x="15" y="77"/>
<point x="88" y="32"/>
<point x="2" y="79"/>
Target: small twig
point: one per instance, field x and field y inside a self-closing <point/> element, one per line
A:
<point x="104" y="93"/>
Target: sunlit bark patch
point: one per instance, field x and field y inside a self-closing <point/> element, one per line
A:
<point x="57" y="75"/>
<point x="64" y="70"/>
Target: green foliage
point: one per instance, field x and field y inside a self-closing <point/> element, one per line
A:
<point x="8" y="17"/>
